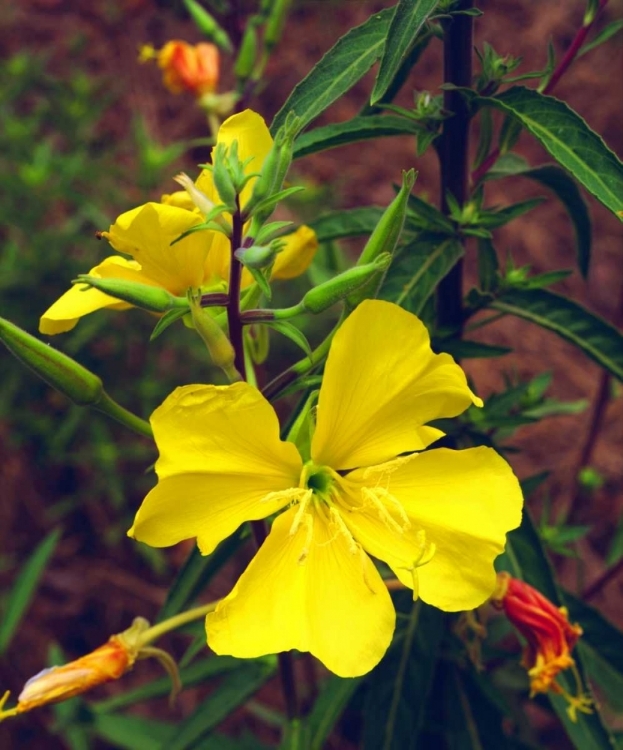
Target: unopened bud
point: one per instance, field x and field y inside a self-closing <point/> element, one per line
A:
<point x="70" y="378"/>
<point x="200" y="199"/>
<point x="384" y="238"/>
<point x="207" y="24"/>
<point x="151" y="298"/>
<point x="325" y="295"/>
<point x="213" y="336"/>
<point x="256" y="256"/>
<point x="222" y="176"/>
<point x="248" y="52"/>
<point x="276" y="22"/>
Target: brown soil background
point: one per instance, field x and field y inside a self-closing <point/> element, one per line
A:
<point x="85" y="596"/>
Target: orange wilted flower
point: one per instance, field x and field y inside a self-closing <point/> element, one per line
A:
<point x="186" y="67"/>
<point x="108" y="662"/>
<point x="550" y="638"/>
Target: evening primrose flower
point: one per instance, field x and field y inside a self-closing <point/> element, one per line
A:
<point x="550" y="638"/>
<point x="186" y="67"/>
<point x="438" y="518"/>
<point x="199" y="261"/>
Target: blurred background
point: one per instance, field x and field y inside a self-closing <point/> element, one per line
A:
<point x="86" y="133"/>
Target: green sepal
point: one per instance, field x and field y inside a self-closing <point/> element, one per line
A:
<point x="151" y="298"/>
<point x="261" y="280"/>
<point x="302" y="428"/>
<point x="166" y="320"/>
<point x="292" y="332"/>
<point x="208" y="25"/>
<point x="270" y="231"/>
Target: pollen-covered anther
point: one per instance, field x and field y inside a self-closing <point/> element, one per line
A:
<point x="380" y="471"/>
<point x="342" y="528"/>
<point x="308" y="522"/>
<point x="304" y="497"/>
<point x="380" y="498"/>
<point x="292" y="494"/>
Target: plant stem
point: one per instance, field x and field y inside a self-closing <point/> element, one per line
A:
<point x="454" y="151"/>
<point x="175" y="622"/>
<point x="110" y="407"/>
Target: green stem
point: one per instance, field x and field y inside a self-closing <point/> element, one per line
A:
<point x="454" y="151"/>
<point x="125" y="417"/>
<point x="175" y="622"/>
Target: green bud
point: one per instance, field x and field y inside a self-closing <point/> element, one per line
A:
<point x="590" y="478"/>
<point x="325" y="295"/>
<point x="247" y="56"/>
<point x="57" y="369"/>
<point x="256" y="256"/>
<point x="276" y="22"/>
<point x="213" y="336"/>
<point x="152" y="298"/>
<point x="384" y="239"/>
<point x="222" y="177"/>
<point x="207" y="24"/>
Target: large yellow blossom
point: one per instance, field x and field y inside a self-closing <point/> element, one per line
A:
<point x="200" y="260"/>
<point x="437" y="518"/>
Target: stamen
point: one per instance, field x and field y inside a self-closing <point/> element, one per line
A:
<point x="342" y="528"/>
<point x="376" y="496"/>
<point x="389" y="467"/>
<point x="308" y="522"/>
<point x="292" y="494"/>
<point x="304" y="500"/>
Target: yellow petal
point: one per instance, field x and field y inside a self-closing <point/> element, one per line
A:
<point x="332" y="603"/>
<point x="382" y="381"/>
<point x="179" y="198"/>
<point x="217" y="263"/>
<point x="465" y="501"/>
<point x="220" y="456"/>
<point x="146" y="233"/>
<point x="74" y="304"/>
<point x="254" y="141"/>
<point x="297" y="254"/>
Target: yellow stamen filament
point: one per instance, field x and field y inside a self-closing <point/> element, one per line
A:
<point x="337" y="520"/>
<point x="292" y="494"/>
<point x="379" y="497"/>
<point x="304" y="497"/>
<point x="308" y="523"/>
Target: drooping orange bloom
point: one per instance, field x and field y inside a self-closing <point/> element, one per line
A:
<point x="186" y="67"/>
<point x="549" y="635"/>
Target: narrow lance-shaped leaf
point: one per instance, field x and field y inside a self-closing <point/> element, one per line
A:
<point x="352" y="131"/>
<point x="25" y="587"/>
<point x="338" y="71"/>
<point x="335" y="695"/>
<point x="565" y="135"/>
<point x="350" y="223"/>
<point x="408" y="20"/>
<point x="599" y="340"/>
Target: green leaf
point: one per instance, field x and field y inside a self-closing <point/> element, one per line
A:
<point x="525" y="559"/>
<point x="338" y="71"/>
<point x="398" y="688"/>
<point x="287" y="329"/>
<point x="195" y="674"/>
<point x="352" y="131"/>
<point x="24" y="588"/>
<point x="335" y="695"/>
<point x="488" y="266"/>
<point x="231" y="693"/>
<point x="565" y="135"/>
<point x="196" y="573"/>
<point x="166" y="320"/>
<point x="406" y="24"/>
<point x="432" y="257"/>
<point x="463" y="349"/>
<point x="565" y="188"/>
<point x="606" y="33"/>
<point x="599" y="340"/>
<point x="132" y="732"/>
<point x="351" y="223"/>
<point x="492" y="219"/>
<point x="423" y="215"/>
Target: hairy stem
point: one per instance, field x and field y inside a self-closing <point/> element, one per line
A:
<point x="454" y="151"/>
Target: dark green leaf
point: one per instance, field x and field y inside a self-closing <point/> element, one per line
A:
<point x="398" y="688"/>
<point x="463" y="349"/>
<point x="494" y="219"/>
<point x="328" y="708"/>
<point x="423" y="215"/>
<point x="408" y="20"/>
<point x="594" y="336"/>
<point x="24" y="588"/>
<point x="166" y="320"/>
<point x="338" y="71"/>
<point x="488" y="266"/>
<point x="232" y="692"/>
<point x="132" y="732"/>
<point x="606" y="33"/>
<point x="432" y="258"/>
<point x="351" y="223"/>
<point x="351" y="131"/>
<point x="565" y="135"/>
<point x="196" y="574"/>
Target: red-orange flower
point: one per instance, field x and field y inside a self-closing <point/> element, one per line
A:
<point x="186" y="67"/>
<point x="549" y="635"/>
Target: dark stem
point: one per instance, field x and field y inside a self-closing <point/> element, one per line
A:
<point x="558" y="73"/>
<point x="454" y="151"/>
<point x="603" y="580"/>
<point x="288" y="684"/>
<point x="234" y="320"/>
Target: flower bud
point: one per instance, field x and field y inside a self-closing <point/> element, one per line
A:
<point x="186" y="67"/>
<point x="248" y="52"/>
<point x="325" y="295"/>
<point x="70" y="378"/>
<point x="108" y="662"/>
<point x="152" y="298"/>
<point x="206" y="23"/>
<point x="276" y="22"/>
<point x="256" y="256"/>
<point x="384" y="238"/>
<point x="222" y="175"/>
<point x="219" y="346"/>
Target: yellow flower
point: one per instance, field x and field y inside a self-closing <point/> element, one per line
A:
<point x="201" y="260"/>
<point x="437" y="518"/>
